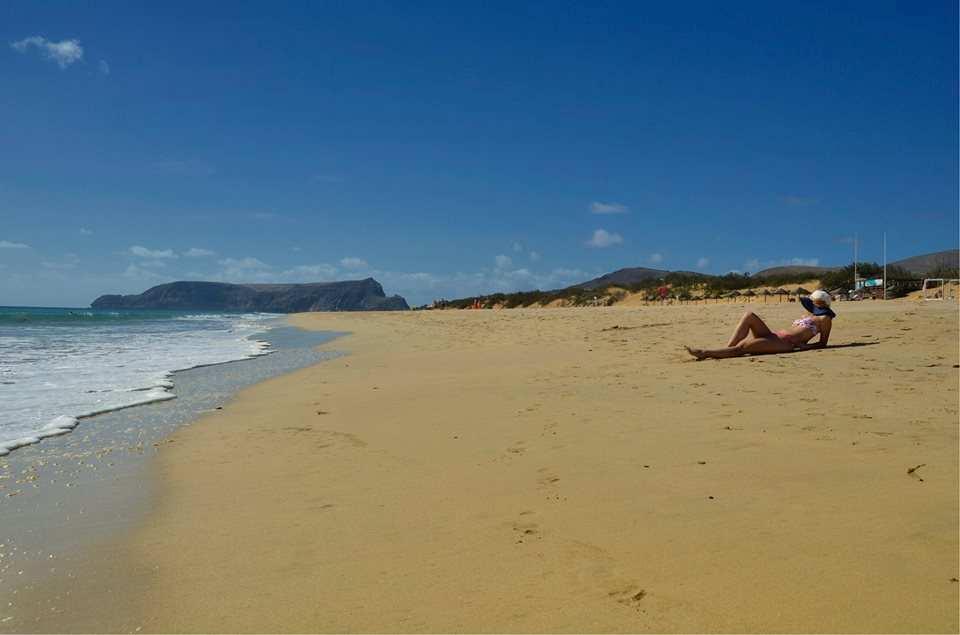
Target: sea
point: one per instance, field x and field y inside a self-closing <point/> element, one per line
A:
<point x="61" y="365"/>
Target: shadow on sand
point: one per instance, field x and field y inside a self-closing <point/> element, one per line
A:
<point x="799" y="350"/>
<point x="850" y="345"/>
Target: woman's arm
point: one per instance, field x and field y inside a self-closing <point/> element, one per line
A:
<point x="824" y="333"/>
<point x="824" y="336"/>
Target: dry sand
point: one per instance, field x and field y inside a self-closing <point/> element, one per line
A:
<point x="564" y="470"/>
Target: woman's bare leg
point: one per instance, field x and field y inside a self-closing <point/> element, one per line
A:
<point x="749" y="323"/>
<point x="754" y="346"/>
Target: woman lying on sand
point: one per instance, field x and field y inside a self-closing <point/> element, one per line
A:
<point x="753" y="337"/>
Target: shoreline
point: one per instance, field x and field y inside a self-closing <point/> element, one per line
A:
<point x="560" y="471"/>
<point x="65" y="496"/>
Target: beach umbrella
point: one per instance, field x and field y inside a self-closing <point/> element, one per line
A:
<point x="749" y="293"/>
<point x="766" y="293"/>
<point x="780" y="293"/>
<point x="801" y="291"/>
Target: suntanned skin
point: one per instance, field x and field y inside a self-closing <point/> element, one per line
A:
<point x="753" y="337"/>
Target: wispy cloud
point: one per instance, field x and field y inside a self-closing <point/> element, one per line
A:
<point x="197" y="252"/>
<point x="517" y="247"/>
<point x="103" y="67"/>
<point x="703" y="263"/>
<point x="86" y="232"/>
<point x="534" y="256"/>
<point x="353" y="263"/>
<point x="502" y="262"/>
<point x="143" y="252"/>
<point x="599" y="207"/>
<point x="602" y="238"/>
<point x="655" y="258"/>
<point x="6" y="244"/>
<point x="64" y="52"/>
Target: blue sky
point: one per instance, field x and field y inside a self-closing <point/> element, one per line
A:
<point x="451" y="149"/>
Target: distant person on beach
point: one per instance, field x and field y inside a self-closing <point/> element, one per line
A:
<point x="753" y="337"/>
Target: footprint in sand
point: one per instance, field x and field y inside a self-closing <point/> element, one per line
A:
<point x="629" y="596"/>
<point x="517" y="448"/>
<point x="524" y="531"/>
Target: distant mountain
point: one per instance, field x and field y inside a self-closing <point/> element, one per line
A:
<point x="630" y="275"/>
<point x="353" y="295"/>
<point x="794" y="269"/>
<point x="919" y="265"/>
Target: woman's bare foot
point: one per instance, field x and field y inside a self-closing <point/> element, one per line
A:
<point x="696" y="352"/>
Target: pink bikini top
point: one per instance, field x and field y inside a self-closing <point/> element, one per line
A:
<point x="807" y="323"/>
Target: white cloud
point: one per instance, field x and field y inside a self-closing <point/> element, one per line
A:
<point x="103" y="67"/>
<point x="752" y="265"/>
<point x="296" y="249"/>
<point x="603" y="238"/>
<point x="86" y="232"/>
<point x="503" y="262"/>
<point x="517" y="247"/>
<point x="534" y="256"/>
<point x="6" y="244"/>
<point x="598" y="207"/>
<point x="703" y="263"/>
<point x="143" y="252"/>
<point x="656" y="258"/>
<point x="353" y="263"/>
<point x="807" y="262"/>
<point x="64" y="52"/>
<point x="197" y="252"/>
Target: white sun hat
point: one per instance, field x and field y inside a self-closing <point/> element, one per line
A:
<point x="821" y="296"/>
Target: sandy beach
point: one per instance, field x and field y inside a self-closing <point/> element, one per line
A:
<point x="560" y="470"/>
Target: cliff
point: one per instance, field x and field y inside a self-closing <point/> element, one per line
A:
<point x="353" y="295"/>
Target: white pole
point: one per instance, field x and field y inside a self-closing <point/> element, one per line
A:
<point x="854" y="264"/>
<point x="884" y="265"/>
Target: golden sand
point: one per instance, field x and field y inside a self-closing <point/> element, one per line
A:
<point x="567" y="470"/>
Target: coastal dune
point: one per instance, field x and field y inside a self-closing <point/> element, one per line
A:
<point x="567" y="470"/>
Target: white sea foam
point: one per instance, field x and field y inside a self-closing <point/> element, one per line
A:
<point x="51" y="376"/>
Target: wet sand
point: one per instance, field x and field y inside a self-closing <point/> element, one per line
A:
<point x="560" y="470"/>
